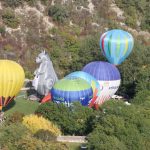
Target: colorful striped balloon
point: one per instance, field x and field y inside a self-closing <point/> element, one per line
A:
<point x="116" y="45"/>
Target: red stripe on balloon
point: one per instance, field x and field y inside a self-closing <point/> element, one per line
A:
<point x="92" y="102"/>
<point x="9" y="100"/>
<point x="6" y="100"/>
<point x="3" y="100"/>
<point x="0" y="101"/>
<point x="103" y="43"/>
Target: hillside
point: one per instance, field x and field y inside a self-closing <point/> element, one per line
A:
<point x="67" y="29"/>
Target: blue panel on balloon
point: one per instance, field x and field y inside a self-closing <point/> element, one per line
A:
<point x="71" y="96"/>
<point x="102" y="71"/>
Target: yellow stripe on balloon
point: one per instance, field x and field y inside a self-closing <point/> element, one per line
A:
<point x="126" y="46"/>
<point x="93" y="84"/>
<point x="118" y="46"/>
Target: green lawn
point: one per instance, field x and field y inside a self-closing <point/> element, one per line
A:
<point x="74" y="146"/>
<point x="21" y="104"/>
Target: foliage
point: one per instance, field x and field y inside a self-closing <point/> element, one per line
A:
<point x="136" y="11"/>
<point x="73" y="53"/>
<point x="9" y="18"/>
<point x="145" y="23"/>
<point x="16" y="136"/>
<point x="135" y="71"/>
<point x="81" y="2"/>
<point x="15" y="117"/>
<point x="30" y="143"/>
<point x="31" y="2"/>
<point x="106" y="142"/>
<point x="89" y="51"/>
<point x="118" y="127"/>
<point x="13" y="3"/>
<point x="58" y="13"/>
<point x="2" y="30"/>
<point x="45" y="135"/>
<point x="35" y="123"/>
<point x="143" y="82"/>
<point x="141" y="97"/>
<point x="28" y="74"/>
<point x="75" y="120"/>
<point x="9" y="135"/>
<point x="65" y="50"/>
<point x="74" y="146"/>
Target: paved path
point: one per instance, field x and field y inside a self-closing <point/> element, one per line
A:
<point x="74" y="139"/>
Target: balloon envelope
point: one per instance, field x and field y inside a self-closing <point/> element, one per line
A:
<point x="72" y="89"/>
<point x="11" y="80"/>
<point x="116" y="45"/>
<point x="91" y="80"/>
<point x="108" y="77"/>
<point x="87" y="77"/>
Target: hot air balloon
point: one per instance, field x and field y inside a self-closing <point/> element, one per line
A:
<point x="91" y="80"/>
<point x="116" y="45"/>
<point x="72" y="89"/>
<point x="108" y="77"/>
<point x="11" y="80"/>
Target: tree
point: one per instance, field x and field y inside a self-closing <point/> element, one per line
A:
<point x="72" y="120"/>
<point x="58" y="13"/>
<point x="135" y="70"/>
<point x="141" y="97"/>
<point x="11" y="134"/>
<point x="118" y="127"/>
<point x="143" y="82"/>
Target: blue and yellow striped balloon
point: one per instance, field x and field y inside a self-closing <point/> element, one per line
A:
<point x="116" y="45"/>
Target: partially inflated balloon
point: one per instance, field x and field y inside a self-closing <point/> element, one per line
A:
<point x="87" y="77"/>
<point x="11" y="80"/>
<point x="69" y="90"/>
<point x="108" y="77"/>
<point x="91" y="80"/>
<point x="116" y="45"/>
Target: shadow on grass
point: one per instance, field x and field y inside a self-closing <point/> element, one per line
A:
<point x="9" y="106"/>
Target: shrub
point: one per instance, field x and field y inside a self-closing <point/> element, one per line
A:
<point x="13" y="3"/>
<point x="35" y="123"/>
<point x="30" y="143"/>
<point x="45" y="135"/>
<point x="17" y="137"/>
<point x="9" y="135"/>
<point x="28" y="74"/>
<point x="31" y="2"/>
<point x="16" y="117"/>
<point x="10" y="19"/>
<point x="2" y="30"/>
<point x="58" y="13"/>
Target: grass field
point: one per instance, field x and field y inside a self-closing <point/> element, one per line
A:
<point x="74" y="146"/>
<point x="21" y="104"/>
